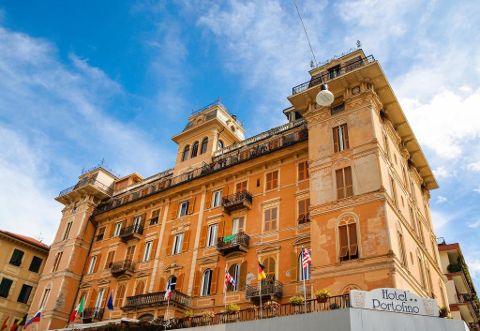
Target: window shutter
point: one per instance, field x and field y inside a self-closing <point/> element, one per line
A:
<point x="106" y="294"/>
<point x="196" y="283"/>
<point x="348" y="182"/>
<point x="352" y="235"/>
<point x="228" y="227"/>
<point x="275" y="179"/>
<point x="174" y="211"/>
<point x="112" y="229"/>
<point x="345" y="135"/>
<point x="162" y="286"/>
<point x="191" y="205"/>
<point x="153" y="252"/>
<point x="243" y="276"/>
<point x="203" y="236"/>
<point x="124" y="224"/>
<point x="169" y="245"/>
<point x="342" y="232"/>
<point x="340" y="184"/>
<point x="186" y="241"/>
<point x="179" y="284"/>
<point x="220" y="230"/>
<point x="109" y="259"/>
<point x="293" y="266"/>
<point x="336" y="147"/>
<point x="213" y="287"/>
<point x="97" y="263"/>
<point x="269" y="181"/>
<point x="208" y="200"/>
<point x="93" y="297"/>
<point x="140" y="252"/>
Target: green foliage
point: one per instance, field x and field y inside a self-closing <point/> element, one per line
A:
<point x="296" y="300"/>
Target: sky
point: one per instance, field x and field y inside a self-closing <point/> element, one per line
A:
<point x="86" y="81"/>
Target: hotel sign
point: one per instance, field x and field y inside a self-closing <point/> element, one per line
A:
<point x="393" y="300"/>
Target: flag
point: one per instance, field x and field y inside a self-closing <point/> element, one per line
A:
<point x="5" y="324"/>
<point x="17" y="323"/>
<point x="306" y="258"/>
<point x="78" y="310"/>
<point x="168" y="292"/>
<point x="229" y="278"/>
<point x="110" y="302"/>
<point x="261" y="273"/>
<point x="23" y="320"/>
<point x="34" y="319"/>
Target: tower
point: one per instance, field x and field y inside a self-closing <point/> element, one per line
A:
<point x="69" y="251"/>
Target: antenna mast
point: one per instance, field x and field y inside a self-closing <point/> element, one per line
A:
<point x="306" y="33"/>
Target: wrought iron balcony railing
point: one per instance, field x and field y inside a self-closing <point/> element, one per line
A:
<point x="237" y="200"/>
<point x="305" y="218"/>
<point x="131" y="232"/>
<point x="329" y="75"/>
<point x="85" y="182"/>
<point x="265" y="288"/>
<point x="157" y="299"/>
<point x="235" y="242"/>
<point x="122" y="267"/>
<point x="92" y="313"/>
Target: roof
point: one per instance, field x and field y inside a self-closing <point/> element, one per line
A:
<point x="27" y="239"/>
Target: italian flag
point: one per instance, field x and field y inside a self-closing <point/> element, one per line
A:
<point x="78" y="310"/>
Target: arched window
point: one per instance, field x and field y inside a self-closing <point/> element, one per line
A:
<point x="119" y="295"/>
<point x="185" y="152"/>
<point x="194" y="149"/>
<point x="269" y="264"/>
<point x="172" y="282"/>
<point x="206" y="282"/>
<point x="302" y="273"/>
<point x="348" y="242"/>
<point x="220" y="144"/>
<point x="234" y="271"/>
<point x="203" y="148"/>
<point x="139" y="288"/>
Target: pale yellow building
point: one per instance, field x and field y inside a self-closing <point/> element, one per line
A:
<point x="21" y="263"/>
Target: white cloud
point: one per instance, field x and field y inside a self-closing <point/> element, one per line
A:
<point x="441" y="199"/>
<point x="440" y="219"/>
<point x="474" y="224"/>
<point x="477" y="189"/>
<point x="474" y="166"/>
<point x="441" y="172"/>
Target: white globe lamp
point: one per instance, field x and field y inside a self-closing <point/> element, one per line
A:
<point x="324" y="97"/>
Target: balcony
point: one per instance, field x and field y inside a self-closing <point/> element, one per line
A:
<point x="237" y="201"/>
<point x="269" y="290"/>
<point x="303" y="219"/>
<point x="157" y="299"/>
<point x="234" y="243"/>
<point x="126" y="267"/>
<point x="89" y="186"/>
<point x="332" y="74"/>
<point x="91" y="314"/>
<point x="131" y="232"/>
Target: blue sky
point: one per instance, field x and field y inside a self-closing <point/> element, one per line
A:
<point x="86" y="81"/>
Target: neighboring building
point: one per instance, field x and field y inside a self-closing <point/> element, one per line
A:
<point x="461" y="292"/>
<point x="348" y="181"/>
<point x="21" y="263"/>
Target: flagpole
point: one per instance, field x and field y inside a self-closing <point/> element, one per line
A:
<point x="304" y="276"/>
<point x="166" y="314"/>
<point x="261" y="306"/>
<point x="225" y="295"/>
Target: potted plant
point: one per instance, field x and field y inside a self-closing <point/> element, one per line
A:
<point x="188" y="313"/>
<point x="443" y="312"/>
<point x="208" y="314"/>
<point x="296" y="300"/>
<point x="232" y="308"/>
<point x="322" y="295"/>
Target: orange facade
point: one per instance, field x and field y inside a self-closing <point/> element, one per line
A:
<point x="348" y="182"/>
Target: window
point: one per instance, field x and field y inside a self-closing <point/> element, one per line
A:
<point x="148" y="250"/>
<point x="421" y="271"/>
<point x="101" y="233"/>
<point x="137" y="222"/>
<point x="206" y="282"/>
<point x="220" y="144"/>
<point x="154" y="219"/>
<point x="217" y="199"/>
<point x="241" y="187"/>
<point x="302" y="273"/>
<point x="303" y="214"/>
<point x="98" y="302"/>
<point x="172" y="283"/>
<point x="67" y="230"/>
<point x="91" y="267"/>
<point x="340" y="138"/>
<point x="109" y="262"/>
<point x="420" y="230"/>
<point x="204" y="146"/>
<point x="118" y="229"/>
<point x="269" y="264"/>
<point x="177" y="244"/>
<point x="24" y="293"/>
<point x="130" y="252"/>
<point x="35" y="264"/>
<point x="140" y="287"/>
<point x="56" y="263"/>
<point x="393" y="192"/>
<point x="347" y="231"/>
<point x="194" y="149"/>
<point x="334" y="72"/>
<point x="344" y="183"/>
<point x="238" y="225"/>
<point x="234" y="271"/>
<point x="119" y="295"/>
<point x="401" y="243"/>
<point x="17" y="257"/>
<point x="186" y="150"/>
<point x="270" y="219"/>
<point x="5" y="287"/>
<point x="183" y="208"/>
<point x="386" y="146"/>
<point x="212" y="235"/>
<point x="45" y="296"/>
<point x="272" y="180"/>
<point x="303" y="171"/>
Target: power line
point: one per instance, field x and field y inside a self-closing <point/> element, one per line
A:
<point x="306" y="33"/>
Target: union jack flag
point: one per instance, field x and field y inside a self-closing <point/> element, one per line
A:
<point x="306" y="258"/>
<point x="229" y="279"/>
